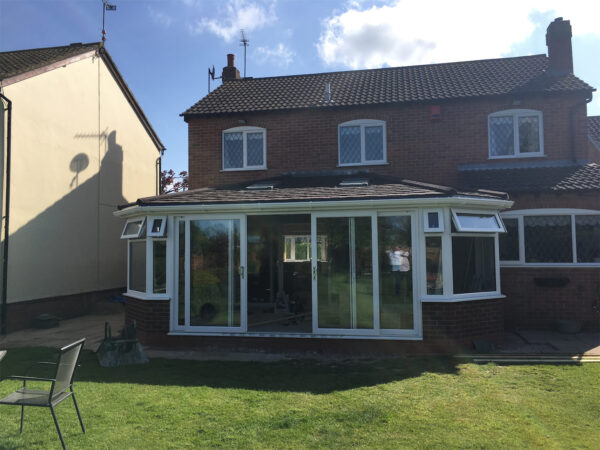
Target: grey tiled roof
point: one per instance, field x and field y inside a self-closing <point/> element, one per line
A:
<point x="389" y="85"/>
<point x="21" y="61"/>
<point x="594" y="128"/>
<point x="573" y="177"/>
<point x="294" y="188"/>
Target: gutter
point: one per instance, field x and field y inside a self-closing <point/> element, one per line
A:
<point x="3" y="305"/>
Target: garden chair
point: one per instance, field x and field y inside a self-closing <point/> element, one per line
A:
<point x="61" y="388"/>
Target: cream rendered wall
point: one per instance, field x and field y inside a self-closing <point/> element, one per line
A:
<point x="78" y="151"/>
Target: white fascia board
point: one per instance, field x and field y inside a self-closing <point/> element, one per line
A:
<point x="303" y="207"/>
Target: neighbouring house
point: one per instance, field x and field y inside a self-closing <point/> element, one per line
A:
<point x="321" y="213"/>
<point x="79" y="146"/>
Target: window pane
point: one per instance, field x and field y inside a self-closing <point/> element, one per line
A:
<point x="548" y="239"/>
<point x="181" y="275"/>
<point x="301" y="245"/>
<point x="254" y="147"/>
<point x="509" y="241"/>
<point x="350" y="145"/>
<point x="433" y="220"/>
<point x="471" y="221"/>
<point x="137" y="266"/>
<point x="501" y="136"/>
<point x="374" y="143"/>
<point x="433" y="264"/>
<point x="473" y="264"/>
<point x="214" y="273"/>
<point x="159" y="264"/>
<point x="233" y="150"/>
<point x="156" y="224"/>
<point x="529" y="134"/>
<point x="288" y="248"/>
<point x="587" y="232"/>
<point x="133" y="228"/>
<point x="395" y="273"/>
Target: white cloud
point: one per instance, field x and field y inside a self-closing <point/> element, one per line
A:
<point x="405" y="32"/>
<point x="160" y="17"/>
<point x="236" y="15"/>
<point x="280" y="55"/>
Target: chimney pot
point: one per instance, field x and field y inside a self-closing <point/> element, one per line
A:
<point x="230" y="60"/>
<point x="230" y="72"/>
<point x="560" y="52"/>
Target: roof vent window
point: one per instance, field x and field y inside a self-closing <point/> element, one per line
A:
<point x="263" y="185"/>
<point x="354" y="182"/>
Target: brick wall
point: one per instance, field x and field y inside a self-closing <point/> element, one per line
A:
<point x="151" y="318"/>
<point x="462" y="320"/>
<point x="418" y="148"/>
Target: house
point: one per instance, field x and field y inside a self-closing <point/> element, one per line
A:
<point x="367" y="209"/>
<point x="75" y="143"/>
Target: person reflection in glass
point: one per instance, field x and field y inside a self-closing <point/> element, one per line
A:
<point x="400" y="263"/>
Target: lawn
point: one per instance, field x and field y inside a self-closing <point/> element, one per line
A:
<point x="400" y="403"/>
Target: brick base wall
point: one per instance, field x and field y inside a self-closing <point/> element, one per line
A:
<point x="531" y="305"/>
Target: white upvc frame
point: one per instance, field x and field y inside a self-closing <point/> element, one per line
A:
<point x="463" y="229"/>
<point x="161" y="231"/>
<point x="244" y="130"/>
<point x="363" y="123"/>
<point x="141" y="220"/>
<point x="426" y="227"/>
<point x="520" y="214"/>
<point x="515" y="114"/>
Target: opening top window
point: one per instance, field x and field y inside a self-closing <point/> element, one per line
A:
<point x="515" y="133"/>
<point x="361" y="142"/>
<point x="244" y="148"/>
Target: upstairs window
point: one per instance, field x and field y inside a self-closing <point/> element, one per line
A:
<point x="244" y="148"/>
<point x="515" y="133"/>
<point x="361" y="142"/>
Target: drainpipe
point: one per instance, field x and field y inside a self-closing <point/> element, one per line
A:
<point x="572" y="123"/>
<point x="159" y="174"/>
<point x="6" y="218"/>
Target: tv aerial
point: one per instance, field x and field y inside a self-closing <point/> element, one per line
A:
<point x="244" y="42"/>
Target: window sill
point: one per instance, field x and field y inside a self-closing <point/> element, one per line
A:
<point x="533" y="155"/>
<point x="244" y="169"/>
<point x="382" y="163"/>
<point x="144" y="296"/>
<point x="549" y="265"/>
<point x="251" y="334"/>
<point x="462" y="297"/>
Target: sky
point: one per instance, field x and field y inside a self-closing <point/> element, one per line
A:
<point x="163" y="48"/>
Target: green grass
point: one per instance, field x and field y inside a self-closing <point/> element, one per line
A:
<point x="400" y="403"/>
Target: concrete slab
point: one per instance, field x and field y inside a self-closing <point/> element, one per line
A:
<point x="550" y="342"/>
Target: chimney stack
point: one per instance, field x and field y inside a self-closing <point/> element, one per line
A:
<point x="560" y="53"/>
<point x="230" y="72"/>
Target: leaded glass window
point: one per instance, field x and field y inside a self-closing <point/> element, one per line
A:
<point x="587" y="231"/>
<point x="509" y="241"/>
<point x="515" y="133"/>
<point x="244" y="148"/>
<point x="362" y="142"/>
<point x="548" y="239"/>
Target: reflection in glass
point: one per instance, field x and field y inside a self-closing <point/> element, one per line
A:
<point x="509" y="241"/>
<point x="345" y="281"/>
<point x="137" y="266"/>
<point x="159" y="267"/>
<point x="473" y="264"/>
<point x="433" y="265"/>
<point x="548" y="239"/>
<point x="587" y="231"/>
<point x="395" y="272"/>
<point x="214" y="275"/>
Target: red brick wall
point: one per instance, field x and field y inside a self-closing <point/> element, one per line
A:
<point x="528" y="305"/>
<point x="151" y="317"/>
<point x="462" y="319"/>
<point x="417" y="147"/>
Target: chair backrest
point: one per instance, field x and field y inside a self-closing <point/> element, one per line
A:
<point x="65" y="369"/>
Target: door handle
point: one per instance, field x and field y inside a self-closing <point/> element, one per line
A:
<point x="314" y="272"/>
<point x="242" y="271"/>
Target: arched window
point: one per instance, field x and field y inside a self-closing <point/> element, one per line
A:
<point x="362" y="142"/>
<point x="244" y="148"/>
<point x="515" y="133"/>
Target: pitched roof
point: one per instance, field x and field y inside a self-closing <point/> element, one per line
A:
<point x="311" y="187"/>
<point x="594" y="129"/>
<point x="28" y="62"/>
<point x="561" y="178"/>
<point x="21" y="61"/>
<point x="389" y="85"/>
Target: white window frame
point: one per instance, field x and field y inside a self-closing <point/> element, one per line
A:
<point x="462" y="229"/>
<point x="163" y="226"/>
<point x="244" y="130"/>
<point x="426" y="227"/>
<point x="521" y="214"/>
<point x="363" y="123"/>
<point x="515" y="114"/>
<point x="479" y="294"/>
<point x="134" y="235"/>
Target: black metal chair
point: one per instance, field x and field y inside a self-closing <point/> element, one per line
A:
<point x="61" y="388"/>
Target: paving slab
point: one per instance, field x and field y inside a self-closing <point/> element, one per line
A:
<point x="550" y="342"/>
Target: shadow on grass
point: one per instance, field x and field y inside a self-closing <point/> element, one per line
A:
<point x="285" y="376"/>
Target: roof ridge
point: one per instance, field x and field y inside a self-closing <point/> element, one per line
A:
<point x="88" y="44"/>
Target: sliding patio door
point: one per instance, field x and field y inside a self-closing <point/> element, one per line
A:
<point x="211" y="275"/>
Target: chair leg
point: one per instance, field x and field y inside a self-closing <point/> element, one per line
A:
<point x="78" y="414"/>
<point x="62" y="441"/>
<point x="22" y="416"/>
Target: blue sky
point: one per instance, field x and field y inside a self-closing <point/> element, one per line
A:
<point x="163" y="48"/>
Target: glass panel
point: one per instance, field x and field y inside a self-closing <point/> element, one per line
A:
<point x="301" y="247"/>
<point x="254" y="149"/>
<point x="137" y="266"/>
<point x="345" y="282"/>
<point x="159" y="267"/>
<point x="548" y="239"/>
<point x="350" y="145"/>
<point x="433" y="265"/>
<point x="509" y="241"/>
<point x="529" y="134"/>
<point x="395" y="272"/>
<point x="374" y="143"/>
<point x="288" y="248"/>
<point x="433" y="220"/>
<point x="473" y="264"/>
<point x="156" y="224"/>
<point x="233" y="150"/>
<point x="181" y="275"/>
<point x="587" y="232"/>
<point x="214" y="266"/>
<point x="468" y="221"/>
<point x="501" y="136"/>
<point x="133" y="228"/>
<point x="321" y="248"/>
